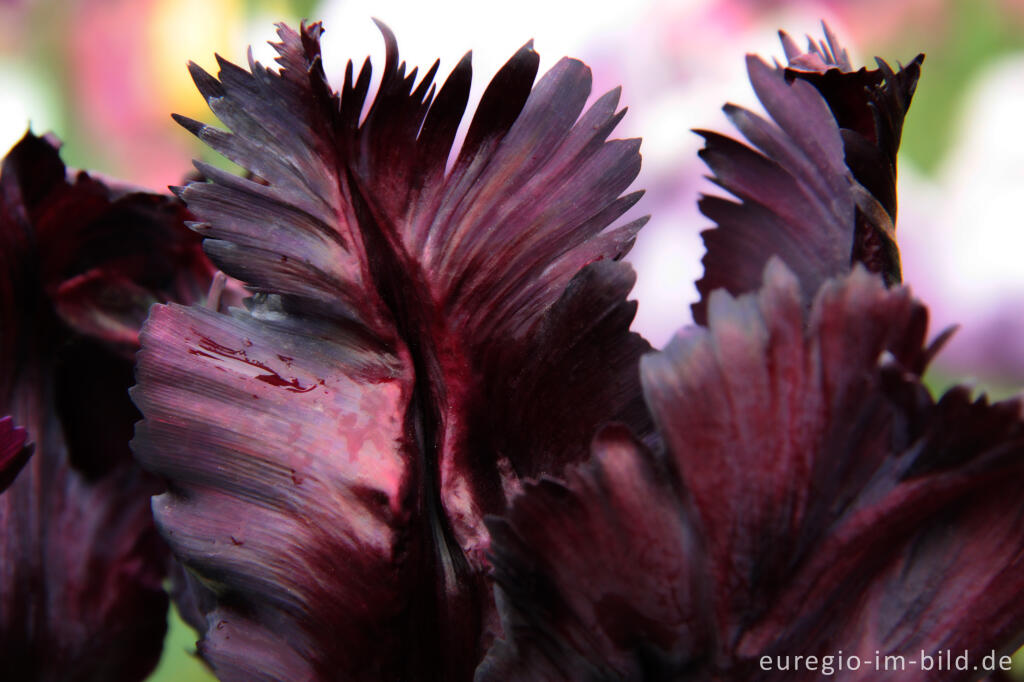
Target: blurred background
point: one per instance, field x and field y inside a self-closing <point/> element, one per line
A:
<point x="104" y="75"/>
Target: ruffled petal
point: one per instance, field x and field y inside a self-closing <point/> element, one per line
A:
<point x="81" y="563"/>
<point x="596" y="574"/>
<point x="833" y="505"/>
<point x="818" y="187"/>
<point x="869" y="106"/>
<point x="440" y="292"/>
<point x="773" y="428"/>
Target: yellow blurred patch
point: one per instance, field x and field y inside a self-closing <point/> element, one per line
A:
<point x="182" y="30"/>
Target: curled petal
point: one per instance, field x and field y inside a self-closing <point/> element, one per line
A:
<point x="596" y="574"/>
<point x="818" y="187"/>
<point x="832" y="504"/>
<point x="413" y="300"/>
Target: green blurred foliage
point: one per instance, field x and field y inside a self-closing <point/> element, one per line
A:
<point x="179" y="662"/>
<point x="974" y="34"/>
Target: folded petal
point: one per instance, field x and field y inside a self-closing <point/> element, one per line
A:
<point x="403" y="306"/>
<point x="81" y="563"/>
<point x="597" y="575"/>
<point x="288" y="457"/>
<point x="831" y="505"/>
<point x="818" y="186"/>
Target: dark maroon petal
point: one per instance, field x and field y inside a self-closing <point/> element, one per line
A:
<point x="81" y="570"/>
<point x="596" y="575"/>
<point x="841" y="506"/>
<point x="817" y="189"/>
<point x="493" y="243"/>
<point x="581" y="356"/>
<point x="930" y="547"/>
<point x="773" y="428"/>
<point x="97" y="256"/>
<point x="402" y="311"/>
<point x="834" y="504"/>
<point x="794" y="191"/>
<point x="305" y="469"/>
<point x="13" y="451"/>
<point x="869" y="106"/>
<point x="81" y="563"/>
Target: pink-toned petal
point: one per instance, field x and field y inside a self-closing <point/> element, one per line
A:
<point x="293" y="488"/>
<point x="459" y="287"/>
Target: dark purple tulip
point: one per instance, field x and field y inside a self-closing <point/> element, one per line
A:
<point x="811" y="497"/>
<point x="420" y="340"/>
<point x="81" y="564"/>
<point x="818" y="187"/>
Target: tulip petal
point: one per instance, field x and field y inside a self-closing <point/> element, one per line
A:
<point x="596" y="575"/>
<point x="772" y="427"/>
<point x="819" y="499"/>
<point x="415" y="300"/>
<point x="288" y="457"/>
<point x="818" y="189"/>
<point x="81" y="564"/>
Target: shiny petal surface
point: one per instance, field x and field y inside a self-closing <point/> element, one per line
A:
<point x="416" y="301"/>
<point x="289" y="463"/>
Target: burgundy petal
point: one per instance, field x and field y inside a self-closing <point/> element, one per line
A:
<point x="81" y="563"/>
<point x="835" y="506"/>
<point x="953" y="486"/>
<point x="597" y="574"/>
<point x="403" y="310"/>
<point x="13" y="451"/>
<point x="81" y="572"/>
<point x="304" y="469"/>
<point x="773" y="429"/>
<point x="818" y="187"/>
<point x="868" y="105"/>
